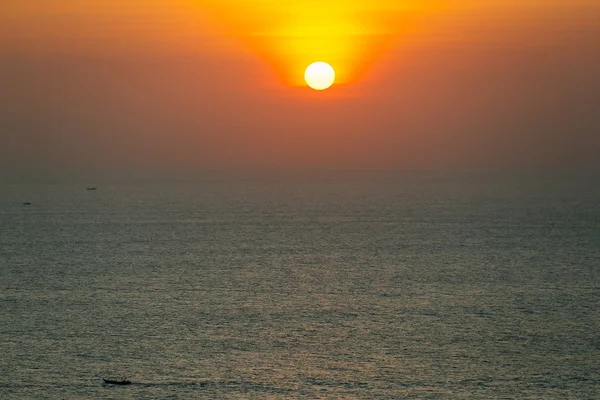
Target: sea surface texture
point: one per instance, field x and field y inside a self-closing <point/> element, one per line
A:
<point x="396" y="285"/>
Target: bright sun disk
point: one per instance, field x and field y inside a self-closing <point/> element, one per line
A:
<point x="319" y="75"/>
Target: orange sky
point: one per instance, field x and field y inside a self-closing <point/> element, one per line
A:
<point x="218" y="84"/>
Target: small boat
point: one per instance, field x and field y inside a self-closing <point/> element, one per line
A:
<point x="26" y="203"/>
<point x="115" y="382"/>
<point x="90" y="188"/>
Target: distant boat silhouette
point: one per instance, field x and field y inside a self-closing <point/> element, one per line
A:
<point x="90" y="188"/>
<point x="115" y="382"/>
<point x="26" y="203"/>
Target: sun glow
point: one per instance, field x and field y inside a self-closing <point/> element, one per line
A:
<point x="350" y="34"/>
<point x="319" y="75"/>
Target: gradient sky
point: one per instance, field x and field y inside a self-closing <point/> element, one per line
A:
<point x="218" y="84"/>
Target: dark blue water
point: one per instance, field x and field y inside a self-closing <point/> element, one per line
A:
<point x="388" y="285"/>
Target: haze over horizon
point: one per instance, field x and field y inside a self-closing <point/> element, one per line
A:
<point x="168" y="85"/>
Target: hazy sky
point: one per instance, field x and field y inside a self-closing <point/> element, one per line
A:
<point x="218" y="84"/>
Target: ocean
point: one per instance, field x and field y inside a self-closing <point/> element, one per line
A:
<point x="324" y="285"/>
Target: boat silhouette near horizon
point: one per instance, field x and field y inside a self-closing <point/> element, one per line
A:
<point x="91" y="188"/>
<point x="117" y="382"/>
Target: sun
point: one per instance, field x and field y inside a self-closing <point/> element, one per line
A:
<point x="319" y="75"/>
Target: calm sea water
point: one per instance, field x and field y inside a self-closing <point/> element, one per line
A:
<point x="331" y="286"/>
